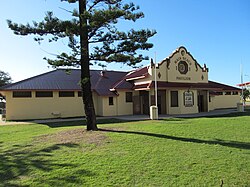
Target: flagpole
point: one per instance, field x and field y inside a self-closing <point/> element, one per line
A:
<point x="242" y="88"/>
<point x="156" y="95"/>
<point x="242" y="91"/>
<point x="156" y="101"/>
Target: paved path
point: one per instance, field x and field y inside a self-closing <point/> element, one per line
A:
<point x="131" y="117"/>
<point x="165" y="116"/>
<point x="13" y="122"/>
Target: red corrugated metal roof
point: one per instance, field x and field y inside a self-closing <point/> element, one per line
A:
<point x="137" y="74"/>
<point x="244" y="84"/>
<point x="60" y="79"/>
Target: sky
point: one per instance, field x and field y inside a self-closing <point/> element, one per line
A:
<point x="215" y="32"/>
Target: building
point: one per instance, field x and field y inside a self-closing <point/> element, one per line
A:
<point x="182" y="84"/>
<point x="245" y="85"/>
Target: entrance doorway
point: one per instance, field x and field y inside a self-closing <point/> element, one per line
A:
<point x="161" y="101"/>
<point x="141" y="103"/>
<point x="202" y="101"/>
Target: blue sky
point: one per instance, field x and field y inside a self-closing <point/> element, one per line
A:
<point x="215" y="32"/>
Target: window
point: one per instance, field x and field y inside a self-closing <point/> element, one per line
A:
<point x="174" y="98"/>
<point x="228" y="93"/>
<point x="22" y="94"/>
<point x="79" y="94"/>
<point x="235" y="93"/>
<point x="66" y="94"/>
<point x="129" y="97"/>
<point x="220" y="93"/>
<point x="111" y="101"/>
<point x="44" y="94"/>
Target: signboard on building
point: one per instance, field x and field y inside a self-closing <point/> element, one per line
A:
<point x="188" y="99"/>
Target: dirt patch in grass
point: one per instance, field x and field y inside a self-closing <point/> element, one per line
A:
<point x="72" y="136"/>
<point x="75" y="136"/>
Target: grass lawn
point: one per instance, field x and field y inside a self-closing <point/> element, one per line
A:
<point x="172" y="152"/>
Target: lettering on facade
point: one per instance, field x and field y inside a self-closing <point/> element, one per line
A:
<point x="188" y="99"/>
<point x="182" y="59"/>
<point x="183" y="78"/>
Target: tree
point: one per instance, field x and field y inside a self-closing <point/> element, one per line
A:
<point x="4" y="78"/>
<point x="246" y="94"/>
<point x="93" y="25"/>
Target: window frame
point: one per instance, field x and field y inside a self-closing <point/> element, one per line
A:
<point x="235" y="93"/>
<point x="66" y="94"/>
<point x="111" y="101"/>
<point x="49" y="94"/>
<point x="79" y="93"/>
<point x="175" y="103"/>
<point x="129" y="97"/>
<point x="21" y="94"/>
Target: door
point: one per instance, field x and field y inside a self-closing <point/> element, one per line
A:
<point x="145" y="102"/>
<point x="136" y="104"/>
<point x="202" y="101"/>
<point x="161" y="101"/>
<point x="141" y="103"/>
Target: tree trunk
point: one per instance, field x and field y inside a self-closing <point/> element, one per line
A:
<point x="85" y="70"/>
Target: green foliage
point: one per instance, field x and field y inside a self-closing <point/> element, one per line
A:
<point x="246" y="94"/>
<point x="108" y="43"/>
<point x="94" y="26"/>
<point x="4" y="78"/>
<point x="171" y="152"/>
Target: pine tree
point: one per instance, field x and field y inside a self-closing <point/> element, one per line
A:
<point x="4" y="78"/>
<point x="93" y="24"/>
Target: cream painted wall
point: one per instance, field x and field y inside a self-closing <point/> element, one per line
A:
<point x="182" y="109"/>
<point x="54" y="107"/>
<point x="43" y="108"/>
<point x="224" y="101"/>
<point x="99" y="106"/>
<point x="123" y="107"/>
<point x="109" y="110"/>
<point x="194" y="74"/>
<point x="120" y="107"/>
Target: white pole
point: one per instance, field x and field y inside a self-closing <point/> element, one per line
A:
<point x="156" y="102"/>
<point x="241" y="72"/>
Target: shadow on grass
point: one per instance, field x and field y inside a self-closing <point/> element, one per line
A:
<point x="82" y="122"/>
<point x="20" y="161"/>
<point x="116" y="120"/>
<point x="233" y="144"/>
<point x="233" y="114"/>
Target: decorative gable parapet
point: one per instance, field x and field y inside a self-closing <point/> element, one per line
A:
<point x="181" y="66"/>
